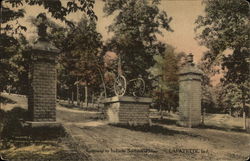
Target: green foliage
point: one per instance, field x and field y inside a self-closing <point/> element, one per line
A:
<point x="14" y="63"/>
<point x="81" y="59"/>
<point x="56" y="7"/>
<point x="237" y="65"/>
<point x="230" y="98"/>
<point x="10" y="14"/>
<point x="164" y="74"/>
<point x="236" y="79"/>
<point x="207" y="99"/>
<point x="225" y="25"/>
<point x="8" y="48"/>
<point x="135" y="28"/>
<point x="22" y="61"/>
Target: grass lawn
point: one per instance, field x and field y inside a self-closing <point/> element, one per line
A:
<point x="85" y="137"/>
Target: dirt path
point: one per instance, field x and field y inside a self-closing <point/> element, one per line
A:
<point x="160" y="142"/>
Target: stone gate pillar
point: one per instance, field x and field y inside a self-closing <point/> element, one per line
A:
<point x="190" y="94"/>
<point x="42" y="98"/>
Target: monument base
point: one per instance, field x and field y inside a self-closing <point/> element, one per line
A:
<point x="125" y="110"/>
<point x="34" y="124"/>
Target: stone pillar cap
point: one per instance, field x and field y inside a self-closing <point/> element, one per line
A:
<point x="190" y="70"/>
<point x="190" y="67"/>
<point x="42" y="45"/>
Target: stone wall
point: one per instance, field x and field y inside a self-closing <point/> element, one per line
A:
<point x="127" y="110"/>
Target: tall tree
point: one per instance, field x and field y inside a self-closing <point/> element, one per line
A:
<point x="81" y="59"/>
<point x="225" y="25"/>
<point x="236" y="79"/>
<point x="135" y="28"/>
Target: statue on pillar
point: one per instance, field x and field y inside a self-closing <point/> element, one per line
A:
<point x="42" y="43"/>
<point x="42" y="26"/>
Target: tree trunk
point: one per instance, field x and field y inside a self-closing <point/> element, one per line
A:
<point x="203" y="116"/>
<point x="68" y="96"/>
<point x="83" y="98"/>
<point x="93" y="97"/>
<point x="86" y="95"/>
<point x="104" y="86"/>
<point x="1" y="15"/>
<point x="161" y="112"/>
<point x="0" y="101"/>
<point x="244" y="110"/>
<point x="9" y="90"/>
<point x="68" y="100"/>
<point x="72" y="97"/>
<point x="77" y="93"/>
<point x="169" y="108"/>
<point x="244" y="119"/>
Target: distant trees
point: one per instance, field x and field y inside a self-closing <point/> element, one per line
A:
<point x="135" y="27"/>
<point x="164" y="74"/>
<point x="81" y="60"/>
<point x="207" y="98"/>
<point x="237" y="79"/>
<point x="235" y="86"/>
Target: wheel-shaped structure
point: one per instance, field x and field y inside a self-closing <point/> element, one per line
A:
<point x="120" y="85"/>
<point x="138" y="87"/>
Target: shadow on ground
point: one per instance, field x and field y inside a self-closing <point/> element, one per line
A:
<point x="13" y="129"/>
<point x="156" y="129"/>
<point x="235" y="129"/>
<point x="165" y="121"/>
<point x="73" y="106"/>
